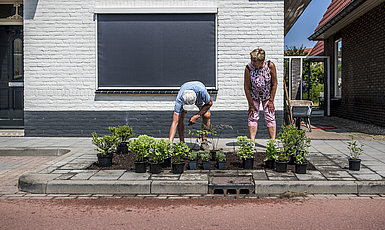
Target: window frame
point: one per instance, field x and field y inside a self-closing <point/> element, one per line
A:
<point x="155" y="10"/>
<point x="337" y="90"/>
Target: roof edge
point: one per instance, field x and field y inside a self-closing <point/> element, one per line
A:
<point x="345" y="11"/>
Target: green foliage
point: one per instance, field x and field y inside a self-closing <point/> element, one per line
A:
<point x="104" y="144"/>
<point x="141" y="146"/>
<point x="246" y="147"/>
<point x="354" y="149"/>
<point x="161" y="149"/>
<point x="193" y="155"/>
<point x="221" y="156"/>
<point x="123" y="133"/>
<point x="294" y="142"/>
<point x="200" y="134"/>
<point x="271" y="150"/>
<point x="301" y="158"/>
<point x="205" y="156"/>
<point x="294" y="51"/>
<point x="181" y="150"/>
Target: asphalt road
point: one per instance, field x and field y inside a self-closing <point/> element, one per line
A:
<point x="193" y="214"/>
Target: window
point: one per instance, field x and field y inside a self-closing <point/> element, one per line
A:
<point x="155" y="51"/>
<point x="338" y="68"/>
<point x="17" y="59"/>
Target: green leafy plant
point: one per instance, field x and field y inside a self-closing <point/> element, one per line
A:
<point x="122" y="133"/>
<point x="193" y="155"/>
<point x="301" y="158"/>
<point x="161" y="149"/>
<point x="141" y="146"/>
<point x="246" y="147"/>
<point x="181" y="150"/>
<point x="294" y="142"/>
<point x="200" y="134"/>
<point x="271" y="150"/>
<point x="104" y="144"/>
<point x="354" y="150"/>
<point x="205" y="156"/>
<point x="221" y="156"/>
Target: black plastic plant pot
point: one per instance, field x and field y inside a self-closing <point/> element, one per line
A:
<point x="292" y="159"/>
<point x="206" y="165"/>
<point x="192" y="165"/>
<point x="354" y="164"/>
<point x="166" y="163"/>
<point x="104" y="160"/>
<point x="178" y="167"/>
<point x="122" y="148"/>
<point x="213" y="155"/>
<point x="248" y="163"/>
<point x="281" y="166"/>
<point x="269" y="163"/>
<point x="300" y="168"/>
<point x="140" y="166"/>
<point x="221" y="165"/>
<point x="155" y="167"/>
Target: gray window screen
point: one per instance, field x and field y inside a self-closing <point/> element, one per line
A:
<point x="156" y="50"/>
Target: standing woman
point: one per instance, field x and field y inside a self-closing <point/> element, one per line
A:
<point x="260" y="85"/>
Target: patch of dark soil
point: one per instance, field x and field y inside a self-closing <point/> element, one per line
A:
<point x="233" y="162"/>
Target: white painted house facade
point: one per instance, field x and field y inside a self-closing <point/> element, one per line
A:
<point x="84" y="70"/>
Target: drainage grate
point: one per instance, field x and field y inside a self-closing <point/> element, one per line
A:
<point x="231" y="185"/>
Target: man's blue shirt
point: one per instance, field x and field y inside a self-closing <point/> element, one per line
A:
<point x="200" y="90"/>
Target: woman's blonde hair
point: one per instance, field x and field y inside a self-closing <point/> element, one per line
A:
<point x="258" y="53"/>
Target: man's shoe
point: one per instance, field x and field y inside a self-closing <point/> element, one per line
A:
<point x="205" y="146"/>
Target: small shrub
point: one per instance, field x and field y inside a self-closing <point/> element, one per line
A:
<point x="123" y="133"/>
<point x="141" y="146"/>
<point x="181" y="150"/>
<point x="104" y="144"/>
<point x="161" y="149"/>
<point x="193" y="155"/>
<point x="246" y="147"/>
<point x="271" y="150"/>
<point x="205" y="156"/>
<point x="221" y="156"/>
<point x="354" y="150"/>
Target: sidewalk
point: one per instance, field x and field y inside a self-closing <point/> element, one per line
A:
<point x="66" y="174"/>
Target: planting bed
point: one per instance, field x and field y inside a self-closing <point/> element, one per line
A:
<point x="233" y="162"/>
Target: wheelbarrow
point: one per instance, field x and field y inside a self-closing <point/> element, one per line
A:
<point x="301" y="109"/>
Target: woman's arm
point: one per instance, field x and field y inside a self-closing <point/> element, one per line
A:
<point x="247" y="87"/>
<point x="274" y="83"/>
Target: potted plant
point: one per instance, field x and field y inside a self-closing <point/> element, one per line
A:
<point x="355" y="152"/>
<point x="302" y="144"/>
<point x="282" y="161"/>
<point x="193" y="158"/>
<point x="104" y="145"/>
<point x="141" y="147"/>
<point x="205" y="157"/>
<point x="160" y="150"/>
<point x="287" y="136"/>
<point x="200" y="134"/>
<point x="246" y="151"/>
<point x="122" y="134"/>
<point x="181" y="150"/>
<point x="221" y="160"/>
<point x="271" y="153"/>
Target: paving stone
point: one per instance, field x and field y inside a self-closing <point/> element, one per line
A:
<point x="65" y="176"/>
<point x="335" y="174"/>
<point x="98" y="187"/>
<point x="61" y="171"/>
<point x="133" y="176"/>
<point x="260" y="175"/>
<point x="279" y="174"/>
<point x="311" y="187"/>
<point x="311" y="175"/>
<point x="75" y="166"/>
<point x="179" y="187"/>
<point x="194" y="177"/>
<point x="282" y="178"/>
<point x="84" y="175"/>
<point x="107" y="175"/>
<point x="328" y="167"/>
<point x="364" y="177"/>
<point x="165" y="176"/>
<point x="341" y="178"/>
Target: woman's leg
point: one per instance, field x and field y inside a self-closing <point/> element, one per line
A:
<point x="269" y="120"/>
<point x="253" y="121"/>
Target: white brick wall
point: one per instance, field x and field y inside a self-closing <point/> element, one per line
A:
<point x="60" y="53"/>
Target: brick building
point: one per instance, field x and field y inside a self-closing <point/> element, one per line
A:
<point x="354" y="38"/>
<point x="97" y="63"/>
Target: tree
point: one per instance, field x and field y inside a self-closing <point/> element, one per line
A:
<point x="294" y="51"/>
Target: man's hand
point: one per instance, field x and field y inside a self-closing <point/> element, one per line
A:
<point x="193" y="119"/>
<point x="270" y="104"/>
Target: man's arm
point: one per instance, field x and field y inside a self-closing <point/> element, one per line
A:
<point x="202" y="111"/>
<point x="174" y="125"/>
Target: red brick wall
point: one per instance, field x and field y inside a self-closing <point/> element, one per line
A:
<point x="363" y="69"/>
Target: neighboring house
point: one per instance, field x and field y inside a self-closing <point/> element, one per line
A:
<point x="353" y="33"/>
<point x="98" y="63"/>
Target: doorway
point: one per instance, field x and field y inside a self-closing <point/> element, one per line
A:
<point x="11" y="77"/>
